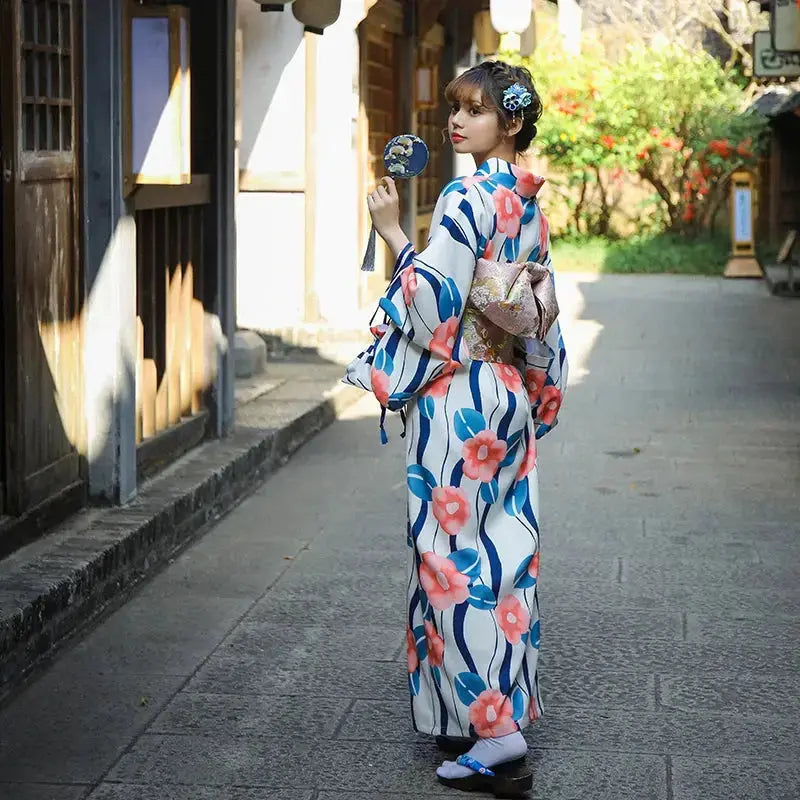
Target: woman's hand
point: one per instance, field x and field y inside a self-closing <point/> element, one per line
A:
<point x="384" y="208"/>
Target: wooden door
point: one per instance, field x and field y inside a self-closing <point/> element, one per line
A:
<point x="42" y="298"/>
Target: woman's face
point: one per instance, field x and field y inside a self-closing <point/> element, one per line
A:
<point x="473" y="128"/>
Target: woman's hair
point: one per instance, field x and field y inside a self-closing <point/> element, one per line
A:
<point x="493" y="78"/>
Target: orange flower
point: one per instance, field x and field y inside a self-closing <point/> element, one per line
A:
<point x="435" y="645"/>
<point x="492" y="715"/>
<point x="439" y="387"/>
<point x="607" y="141"/>
<point x="444" y="338"/>
<point x="529" y="461"/>
<point x="442" y="582"/>
<point x="722" y="147"/>
<point x="551" y="402"/>
<point x="534" y="382"/>
<point x="411" y="651"/>
<point x="509" y="375"/>
<point x="509" y="211"/>
<point x="528" y="184"/>
<point x="655" y="132"/>
<point x="513" y="618"/>
<point x="689" y="214"/>
<point x="408" y="281"/>
<point x="450" y="507"/>
<point x="380" y="386"/>
<point x="488" y="251"/>
<point x="671" y="143"/>
<point x="482" y="456"/>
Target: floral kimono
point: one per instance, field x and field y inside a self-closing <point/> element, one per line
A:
<point x="476" y="399"/>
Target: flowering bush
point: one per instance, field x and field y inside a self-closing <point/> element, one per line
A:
<point x="667" y="117"/>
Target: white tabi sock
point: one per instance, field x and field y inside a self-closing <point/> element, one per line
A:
<point x="488" y="752"/>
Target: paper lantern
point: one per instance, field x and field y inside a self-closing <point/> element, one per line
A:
<point x="510" y="16"/>
<point x="487" y="39"/>
<point x="316" y="15"/>
<point x="274" y="6"/>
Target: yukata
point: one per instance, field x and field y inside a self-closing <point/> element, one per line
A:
<point x="476" y="399"/>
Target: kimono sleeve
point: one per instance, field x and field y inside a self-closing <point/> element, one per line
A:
<point x="546" y="371"/>
<point x="425" y="300"/>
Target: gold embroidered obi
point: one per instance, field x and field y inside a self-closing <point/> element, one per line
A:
<point x="485" y="340"/>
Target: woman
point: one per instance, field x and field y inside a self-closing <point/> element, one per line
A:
<point x="477" y="398"/>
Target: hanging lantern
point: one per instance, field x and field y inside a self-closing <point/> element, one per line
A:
<point x="316" y="15"/>
<point x="487" y="39"/>
<point x="511" y="16"/>
<point x="274" y="6"/>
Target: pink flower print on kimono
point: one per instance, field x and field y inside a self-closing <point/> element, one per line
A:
<point x="411" y="651"/>
<point x="513" y="618"/>
<point x="380" y="386"/>
<point x="510" y="376"/>
<point x="451" y="508"/>
<point x="488" y="250"/>
<point x="439" y="386"/>
<point x="528" y="184"/>
<point x="482" y="456"/>
<point x="529" y="462"/>
<point x="509" y="211"/>
<point x="444" y="338"/>
<point x="492" y="714"/>
<point x="535" y="380"/>
<point x="408" y="281"/>
<point x="551" y="403"/>
<point x="435" y="645"/>
<point x="444" y="585"/>
<point x="470" y="180"/>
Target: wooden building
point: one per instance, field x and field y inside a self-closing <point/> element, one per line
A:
<point x="116" y="299"/>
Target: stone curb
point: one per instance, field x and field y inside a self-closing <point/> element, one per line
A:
<point x="70" y="577"/>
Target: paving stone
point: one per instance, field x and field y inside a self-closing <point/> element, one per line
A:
<point x="669" y="732"/>
<point x="217" y="760"/>
<point x="732" y="692"/>
<point x="735" y="779"/>
<point x="162" y="791"/>
<point x="232" y="674"/>
<point x="280" y="715"/>
<point x="572" y="775"/>
<point x="589" y="624"/>
<point x="276" y="645"/>
<point x="70" y="726"/>
<point x="772" y="630"/>
<point x="654" y="655"/>
<point x="160" y="634"/>
<point x="593" y="689"/>
<point x="41" y="791"/>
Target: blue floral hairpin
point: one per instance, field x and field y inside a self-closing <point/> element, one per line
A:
<point x="516" y="97"/>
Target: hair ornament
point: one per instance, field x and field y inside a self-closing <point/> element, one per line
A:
<point x="516" y="97"/>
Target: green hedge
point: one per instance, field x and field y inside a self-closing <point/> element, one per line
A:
<point x="659" y="253"/>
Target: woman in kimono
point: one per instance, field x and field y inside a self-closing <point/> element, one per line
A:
<point x="477" y="397"/>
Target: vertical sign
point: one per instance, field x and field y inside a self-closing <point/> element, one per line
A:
<point x="785" y="25"/>
<point x="742" y="217"/>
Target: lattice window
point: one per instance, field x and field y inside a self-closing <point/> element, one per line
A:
<point x="47" y="101"/>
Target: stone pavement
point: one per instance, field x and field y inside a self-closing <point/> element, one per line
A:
<point x="267" y="661"/>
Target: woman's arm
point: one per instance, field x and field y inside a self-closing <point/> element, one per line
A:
<point x="384" y="208"/>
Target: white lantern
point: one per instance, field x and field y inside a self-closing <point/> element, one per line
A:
<point x="316" y="15"/>
<point x="279" y="6"/>
<point x="511" y="16"/>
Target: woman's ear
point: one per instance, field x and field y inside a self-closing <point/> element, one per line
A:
<point x="514" y="127"/>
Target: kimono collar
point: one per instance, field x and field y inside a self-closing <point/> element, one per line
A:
<point x="520" y="180"/>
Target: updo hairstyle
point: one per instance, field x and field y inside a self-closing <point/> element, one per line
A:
<point x="493" y="78"/>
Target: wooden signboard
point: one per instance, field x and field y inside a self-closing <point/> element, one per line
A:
<point x="157" y="96"/>
<point x="771" y="63"/>
<point x="785" y="26"/>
